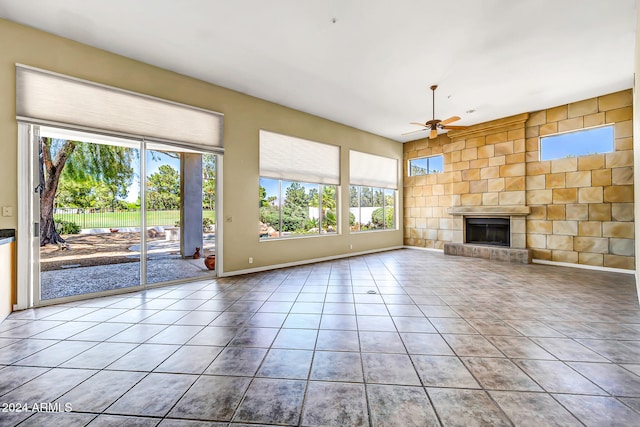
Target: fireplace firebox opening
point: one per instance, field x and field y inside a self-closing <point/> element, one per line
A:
<point x="488" y="231"/>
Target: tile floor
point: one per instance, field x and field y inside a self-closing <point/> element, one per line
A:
<point x="401" y="338"/>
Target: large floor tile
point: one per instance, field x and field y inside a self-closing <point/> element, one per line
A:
<point x="154" y="396"/>
<point x="335" y="404"/>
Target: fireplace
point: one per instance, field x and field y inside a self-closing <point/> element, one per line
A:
<point x="487" y="231"/>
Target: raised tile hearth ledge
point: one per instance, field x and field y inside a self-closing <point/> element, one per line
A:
<point x="493" y="253"/>
<point x="489" y="210"/>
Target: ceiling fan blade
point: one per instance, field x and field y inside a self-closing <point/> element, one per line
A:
<point x="454" y="127"/>
<point x="419" y="124"/>
<point x="450" y="120"/>
<point x="414" y="131"/>
<point x="433" y="134"/>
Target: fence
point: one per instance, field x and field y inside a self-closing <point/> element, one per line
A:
<point x="116" y="219"/>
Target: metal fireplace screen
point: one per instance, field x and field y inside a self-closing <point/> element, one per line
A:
<point x="488" y="231"/>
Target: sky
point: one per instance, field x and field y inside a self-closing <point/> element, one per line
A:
<point x="579" y="143"/>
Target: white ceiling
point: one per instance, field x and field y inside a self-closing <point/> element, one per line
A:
<point x="372" y="68"/>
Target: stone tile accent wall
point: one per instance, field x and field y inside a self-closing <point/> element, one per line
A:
<point x="581" y="208"/>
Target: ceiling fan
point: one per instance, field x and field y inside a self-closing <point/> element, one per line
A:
<point x="434" y="124"/>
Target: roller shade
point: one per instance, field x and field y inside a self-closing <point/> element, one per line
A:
<point x="43" y="97"/>
<point x="372" y="170"/>
<point x="296" y="159"/>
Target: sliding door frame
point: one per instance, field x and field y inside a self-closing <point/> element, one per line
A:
<point x="28" y="248"/>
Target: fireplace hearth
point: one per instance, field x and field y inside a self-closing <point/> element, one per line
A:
<point x="487" y="231"/>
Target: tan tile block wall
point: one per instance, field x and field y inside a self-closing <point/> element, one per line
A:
<point x="621" y="144"/>
<point x="544" y="254"/>
<point x="619" y="115"/>
<point x="591" y="244"/>
<point x="590" y="228"/>
<point x="622" y="176"/>
<point x="538" y="212"/>
<point x="597" y="119"/>
<point x="578" y="212"/>
<point x="496" y="184"/>
<point x="556" y="212"/>
<point x="616" y="261"/>
<point x="601" y="178"/>
<point x="623" y="247"/>
<point x="512" y="170"/>
<point x="479" y="186"/>
<point x="591" y="195"/>
<point x="583" y="108"/>
<point x="578" y="179"/>
<point x="618" y="193"/>
<point x="557" y="113"/>
<point x="516" y="183"/>
<point x="587" y="258"/>
<point x="569" y="164"/>
<point x="540" y="227"/>
<point x="567" y="228"/>
<point x="622" y="211"/>
<point x="538" y="168"/>
<point x="556" y="180"/>
<point x="539" y="197"/>
<point x="565" y="195"/>
<point x="600" y="212"/>
<point x="619" y="159"/>
<point x="581" y="208"/>
<point x="486" y="151"/>
<point x="511" y="198"/>
<point x="615" y="100"/>
<point x="564" y="256"/>
<point x="564" y="243"/>
<point x="570" y="124"/>
<point x="490" y="199"/>
<point x="591" y="162"/>
<point x="618" y="229"/>
<point x="624" y="129"/>
<point x="537" y="182"/>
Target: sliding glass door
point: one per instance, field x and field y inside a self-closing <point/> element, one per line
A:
<point x="113" y="213"/>
<point x="89" y="219"/>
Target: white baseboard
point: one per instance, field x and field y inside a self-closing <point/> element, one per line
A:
<point x="304" y="262"/>
<point x="420" y="248"/>
<point x="583" y="266"/>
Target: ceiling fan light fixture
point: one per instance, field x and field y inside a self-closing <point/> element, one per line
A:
<point x="434" y="125"/>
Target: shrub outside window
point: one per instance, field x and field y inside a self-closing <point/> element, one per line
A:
<point x="292" y="208"/>
<point x="583" y="142"/>
<point x="426" y="165"/>
<point x="371" y="208"/>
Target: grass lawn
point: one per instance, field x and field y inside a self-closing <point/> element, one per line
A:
<point x="126" y="218"/>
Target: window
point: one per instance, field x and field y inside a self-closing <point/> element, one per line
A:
<point x="298" y="187"/>
<point x="371" y="208"/>
<point x="426" y="165"/>
<point x="373" y="192"/>
<point x="582" y="142"/>
<point x="292" y="208"/>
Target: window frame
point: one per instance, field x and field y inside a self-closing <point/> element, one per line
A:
<point x="384" y="208"/>
<point x="610" y="126"/>
<point x="427" y="169"/>
<point x="320" y="219"/>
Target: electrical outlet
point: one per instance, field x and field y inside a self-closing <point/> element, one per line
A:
<point x="250" y="260"/>
<point x="350" y="246"/>
<point x="229" y="218"/>
<point x="7" y="211"/>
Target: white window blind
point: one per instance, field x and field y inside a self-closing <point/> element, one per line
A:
<point x="296" y="159"/>
<point x="43" y="97"/>
<point x="372" y="170"/>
